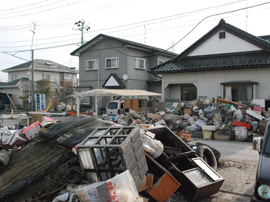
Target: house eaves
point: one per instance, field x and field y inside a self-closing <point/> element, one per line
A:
<point x="257" y="41"/>
<point x="126" y="43"/>
<point x="41" y="65"/>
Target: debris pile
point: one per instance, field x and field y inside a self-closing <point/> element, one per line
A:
<point x="144" y="156"/>
<point x="86" y="158"/>
<point x="207" y="118"/>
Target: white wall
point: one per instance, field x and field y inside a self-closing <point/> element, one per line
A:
<point x="16" y="93"/>
<point x="229" y="44"/>
<point x="208" y="82"/>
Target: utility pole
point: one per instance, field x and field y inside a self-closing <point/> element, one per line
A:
<point x="81" y="26"/>
<point x="32" y="70"/>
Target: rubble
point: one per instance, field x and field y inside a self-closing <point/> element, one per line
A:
<point x="85" y="158"/>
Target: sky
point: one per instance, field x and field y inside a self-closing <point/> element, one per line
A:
<point x="48" y="26"/>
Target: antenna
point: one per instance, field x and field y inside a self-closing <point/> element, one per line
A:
<point x="246" y="15"/>
<point x="145" y="32"/>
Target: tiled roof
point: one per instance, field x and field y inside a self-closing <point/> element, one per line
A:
<point x="215" y="62"/>
<point x="183" y="63"/>
<point x="43" y="65"/>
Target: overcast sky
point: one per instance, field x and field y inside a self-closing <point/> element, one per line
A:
<point x="153" y="22"/>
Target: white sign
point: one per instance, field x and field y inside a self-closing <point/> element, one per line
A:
<point x="40" y="102"/>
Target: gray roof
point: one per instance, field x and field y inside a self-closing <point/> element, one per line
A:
<point x="23" y="84"/>
<point x="42" y="65"/>
<point x="184" y="63"/>
<point x="154" y="50"/>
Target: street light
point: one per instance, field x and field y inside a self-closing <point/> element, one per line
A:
<point x="81" y="26"/>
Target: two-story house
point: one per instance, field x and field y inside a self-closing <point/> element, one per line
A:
<point x="110" y="62"/>
<point x="20" y="79"/>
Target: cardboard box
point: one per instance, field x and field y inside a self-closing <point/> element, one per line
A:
<point x="183" y="135"/>
<point x="262" y="127"/>
<point x="31" y="131"/>
<point x="187" y="111"/>
<point x="154" y="116"/>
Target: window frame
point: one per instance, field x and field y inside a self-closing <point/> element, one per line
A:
<point x="138" y="59"/>
<point x="48" y="73"/>
<point x="96" y="64"/>
<point x="14" y="76"/>
<point x="237" y="86"/>
<point x="69" y="79"/>
<point x="112" y="67"/>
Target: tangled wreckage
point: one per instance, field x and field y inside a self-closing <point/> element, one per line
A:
<point x="136" y="157"/>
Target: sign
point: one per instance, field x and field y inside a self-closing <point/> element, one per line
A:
<point x="40" y="102"/>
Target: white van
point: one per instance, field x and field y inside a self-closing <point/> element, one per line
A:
<point x="115" y="107"/>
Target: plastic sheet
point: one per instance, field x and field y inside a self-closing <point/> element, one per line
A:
<point x="73" y="130"/>
<point x="152" y="146"/>
<point x="4" y="159"/>
<point x="120" y="188"/>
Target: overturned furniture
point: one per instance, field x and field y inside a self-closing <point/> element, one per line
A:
<point x="107" y="152"/>
<point x="198" y="180"/>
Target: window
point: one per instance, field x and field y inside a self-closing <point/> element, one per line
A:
<point x="14" y="76"/>
<point x="188" y="93"/>
<point x="139" y="63"/>
<point x="68" y="77"/>
<point x="238" y="92"/>
<point x="46" y="75"/>
<point x="91" y="64"/>
<point x="111" y="62"/>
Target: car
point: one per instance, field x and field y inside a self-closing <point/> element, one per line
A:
<point x="262" y="187"/>
<point x="115" y="107"/>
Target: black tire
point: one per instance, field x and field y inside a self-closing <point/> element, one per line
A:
<point x="207" y="155"/>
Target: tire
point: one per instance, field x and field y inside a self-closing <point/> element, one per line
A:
<point x="207" y="155"/>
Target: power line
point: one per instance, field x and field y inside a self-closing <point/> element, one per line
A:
<point x="184" y="36"/>
<point x="19" y="11"/>
<point x="21" y="6"/>
<point x="42" y="10"/>
<point x="213" y="16"/>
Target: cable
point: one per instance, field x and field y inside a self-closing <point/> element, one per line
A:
<point x="42" y="10"/>
<point x="13" y="9"/>
<point x="213" y="16"/>
<point x="21" y="6"/>
<point x="204" y="9"/>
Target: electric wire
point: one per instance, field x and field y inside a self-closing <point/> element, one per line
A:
<point x="157" y="19"/>
<point x="35" y="8"/>
<point x="42" y="10"/>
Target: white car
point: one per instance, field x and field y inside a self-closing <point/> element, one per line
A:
<point x="115" y="107"/>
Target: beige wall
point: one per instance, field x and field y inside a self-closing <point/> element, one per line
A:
<point x="229" y="44"/>
<point x="208" y="82"/>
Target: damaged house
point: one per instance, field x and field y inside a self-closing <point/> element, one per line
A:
<point x="226" y="62"/>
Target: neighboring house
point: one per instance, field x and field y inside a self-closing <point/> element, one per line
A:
<point x="226" y="62"/>
<point x="110" y="62"/>
<point x="60" y="76"/>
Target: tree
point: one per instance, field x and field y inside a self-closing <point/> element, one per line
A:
<point x="44" y="87"/>
<point x="66" y="95"/>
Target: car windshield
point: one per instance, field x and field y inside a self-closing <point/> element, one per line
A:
<point x="112" y="105"/>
